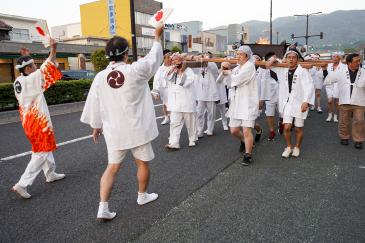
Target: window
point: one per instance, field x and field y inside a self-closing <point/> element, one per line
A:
<point x="142" y="18"/>
<point x="19" y="35"/>
<point x="144" y="43"/>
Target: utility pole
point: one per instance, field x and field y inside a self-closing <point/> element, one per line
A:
<point x="271" y="22"/>
<point x="307" y="36"/>
<point x="277" y="37"/>
<point x="133" y="31"/>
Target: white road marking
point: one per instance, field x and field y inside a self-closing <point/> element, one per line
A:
<point x="67" y="142"/>
<point x="361" y="167"/>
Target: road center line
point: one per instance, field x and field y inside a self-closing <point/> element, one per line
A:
<point x="64" y="143"/>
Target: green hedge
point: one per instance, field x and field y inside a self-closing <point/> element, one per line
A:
<point x="62" y="92"/>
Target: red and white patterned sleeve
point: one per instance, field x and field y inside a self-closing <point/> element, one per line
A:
<point x="50" y="74"/>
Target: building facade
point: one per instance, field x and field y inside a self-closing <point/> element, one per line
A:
<point x="106" y="18"/>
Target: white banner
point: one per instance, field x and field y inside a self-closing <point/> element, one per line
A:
<point x="111" y="12"/>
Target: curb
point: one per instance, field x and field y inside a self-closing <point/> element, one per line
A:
<point x="7" y="117"/>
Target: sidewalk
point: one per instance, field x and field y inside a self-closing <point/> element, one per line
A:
<point x="13" y="116"/>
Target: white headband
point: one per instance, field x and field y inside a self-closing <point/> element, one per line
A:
<point x="111" y="54"/>
<point x="24" y="64"/>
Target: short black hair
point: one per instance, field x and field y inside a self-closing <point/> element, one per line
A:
<point x="115" y="46"/>
<point x="166" y="51"/>
<point x="350" y="57"/>
<point x="20" y="61"/>
<point x="256" y="54"/>
<point x="269" y="54"/>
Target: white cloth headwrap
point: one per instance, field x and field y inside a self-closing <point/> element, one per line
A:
<point x="24" y="64"/>
<point x="247" y="50"/>
<point x="111" y="54"/>
<point x="291" y="51"/>
<point x="338" y="53"/>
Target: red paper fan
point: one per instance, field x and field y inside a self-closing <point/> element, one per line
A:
<point x="159" y="15"/>
<point x="40" y="31"/>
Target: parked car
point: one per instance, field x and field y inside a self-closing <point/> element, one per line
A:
<point x="77" y="74"/>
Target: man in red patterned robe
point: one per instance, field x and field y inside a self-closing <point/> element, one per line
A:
<point x="35" y="118"/>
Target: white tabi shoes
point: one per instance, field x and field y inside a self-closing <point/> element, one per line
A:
<point x="144" y="198"/>
<point x="104" y="213"/>
<point x="21" y="191"/>
<point x="165" y="121"/>
<point x="55" y="177"/>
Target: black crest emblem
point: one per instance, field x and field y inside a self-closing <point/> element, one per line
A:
<point x="17" y="87"/>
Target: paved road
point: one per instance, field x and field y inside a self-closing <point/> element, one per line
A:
<point x="205" y="195"/>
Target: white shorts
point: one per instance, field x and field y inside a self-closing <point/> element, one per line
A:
<point x="332" y="91"/>
<point x="164" y="95"/>
<point x="241" y="123"/>
<point x="318" y="84"/>
<point x="143" y="152"/>
<point x="270" y="108"/>
<point x="298" y="122"/>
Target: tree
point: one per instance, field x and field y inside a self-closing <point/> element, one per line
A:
<point x="176" y="49"/>
<point x="99" y="60"/>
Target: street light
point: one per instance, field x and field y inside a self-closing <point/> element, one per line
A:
<point x="307" y="15"/>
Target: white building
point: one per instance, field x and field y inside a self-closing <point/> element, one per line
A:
<point x="66" y="31"/>
<point x="24" y="28"/>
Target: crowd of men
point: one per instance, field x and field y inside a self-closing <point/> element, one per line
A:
<point x="120" y="106"/>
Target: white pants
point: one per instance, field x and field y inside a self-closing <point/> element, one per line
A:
<point x="222" y="110"/>
<point x="39" y="161"/>
<point x="210" y="107"/>
<point x="177" y="120"/>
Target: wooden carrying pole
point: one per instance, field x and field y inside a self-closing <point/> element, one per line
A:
<point x="308" y="65"/>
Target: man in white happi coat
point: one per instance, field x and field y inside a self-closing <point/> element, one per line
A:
<point x="182" y="103"/>
<point x="36" y="120"/>
<point x="160" y="89"/>
<point x="244" y="107"/>
<point x="296" y="93"/>
<point x="207" y="96"/>
<point x="119" y="105"/>
<point x="316" y="74"/>
<point x="332" y="89"/>
<point x="351" y="87"/>
<point x="271" y="105"/>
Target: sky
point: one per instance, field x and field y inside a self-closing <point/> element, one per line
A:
<point x="211" y="12"/>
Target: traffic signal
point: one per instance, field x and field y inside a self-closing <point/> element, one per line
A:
<point x="292" y="36"/>
<point x="321" y="35"/>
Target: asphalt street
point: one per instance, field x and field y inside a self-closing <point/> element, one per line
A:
<point x="205" y="195"/>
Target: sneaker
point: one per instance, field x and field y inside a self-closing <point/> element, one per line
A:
<point x="225" y="128"/>
<point x="312" y="108"/>
<point x="55" y="177"/>
<point x="165" y="121"/>
<point x="296" y="152"/>
<point x="209" y="134"/>
<point x="335" y="118"/>
<point x="242" y="147"/>
<point x="170" y="147"/>
<point x="247" y="160"/>
<point x="192" y="144"/>
<point x="319" y="110"/>
<point x="271" y="135"/>
<point x="144" y="198"/>
<point x="329" y="118"/>
<point x="358" y="145"/>
<point x="280" y="127"/>
<point x="344" y="142"/>
<point x="104" y="213"/>
<point x="21" y="191"/>
<point x="258" y="135"/>
<point x="286" y="152"/>
<point x="200" y="135"/>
